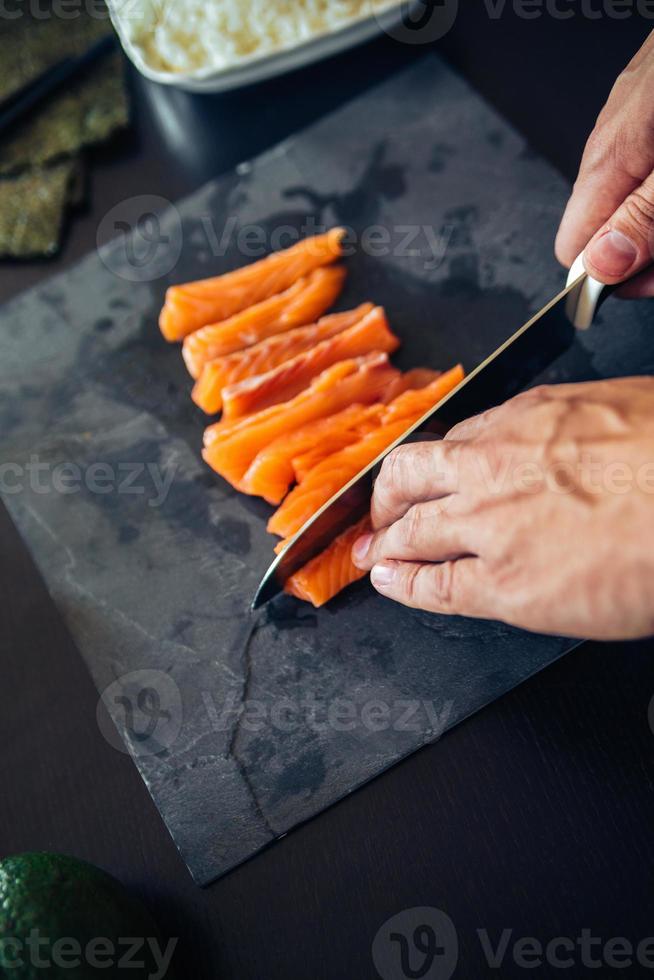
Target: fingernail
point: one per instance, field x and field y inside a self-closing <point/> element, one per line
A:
<point x="382" y="575"/>
<point x="613" y="254"/>
<point x="360" y="547"/>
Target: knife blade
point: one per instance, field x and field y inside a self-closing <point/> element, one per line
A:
<point x="502" y="374"/>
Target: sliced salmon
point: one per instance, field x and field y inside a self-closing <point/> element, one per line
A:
<point x="290" y="458"/>
<point x="301" y="303"/>
<point x="304" y="463"/>
<point x="273" y="469"/>
<point x="231" y="446"/>
<point x="191" y="305"/>
<point x="285" y="381"/>
<point x="413" y="403"/>
<point x="415" y="378"/>
<point x="333" y="472"/>
<point x="330" y="572"/>
<point x="266" y="354"/>
<point x="329" y="477"/>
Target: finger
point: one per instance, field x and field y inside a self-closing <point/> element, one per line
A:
<point x="599" y="190"/>
<point x="623" y="246"/>
<point x="453" y="587"/>
<point x="427" y="532"/>
<point x="640" y="287"/>
<point x="411" y="474"/>
<point x="475" y="426"/>
<point x="480" y="426"/>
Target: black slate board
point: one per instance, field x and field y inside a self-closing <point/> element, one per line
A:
<point x="217" y="704"/>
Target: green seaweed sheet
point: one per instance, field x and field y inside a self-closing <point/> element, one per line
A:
<point x="32" y="209"/>
<point x="70" y="121"/>
<point x="41" y="167"/>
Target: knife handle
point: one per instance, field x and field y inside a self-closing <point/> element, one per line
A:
<point x="584" y="300"/>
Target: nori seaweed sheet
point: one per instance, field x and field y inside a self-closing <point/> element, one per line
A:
<point x="32" y="209"/>
<point x="70" y="120"/>
<point x="41" y="170"/>
<point x="40" y="37"/>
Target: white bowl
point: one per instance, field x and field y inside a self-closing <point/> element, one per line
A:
<point x="259" y="68"/>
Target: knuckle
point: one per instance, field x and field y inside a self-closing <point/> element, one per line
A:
<point x="450" y="461"/>
<point x="412" y="584"/>
<point x="639" y="208"/>
<point x="412" y="529"/>
<point x="445" y="584"/>
<point x="601" y="148"/>
<point x="538" y="393"/>
<point x="376" y="548"/>
<point x="391" y="472"/>
<point x="387" y="483"/>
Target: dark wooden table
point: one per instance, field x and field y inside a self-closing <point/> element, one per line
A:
<point x="535" y="816"/>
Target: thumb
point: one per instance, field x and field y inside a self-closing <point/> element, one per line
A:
<point x="624" y="245"/>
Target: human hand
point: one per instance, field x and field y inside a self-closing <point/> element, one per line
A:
<point x="611" y="211"/>
<point x="539" y="513"/>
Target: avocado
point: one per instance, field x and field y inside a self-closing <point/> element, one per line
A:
<point x="65" y="918"/>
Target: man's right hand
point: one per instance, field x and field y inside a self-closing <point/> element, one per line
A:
<point x="611" y="211"/>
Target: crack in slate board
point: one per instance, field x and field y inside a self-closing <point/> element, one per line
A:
<point x="162" y="581"/>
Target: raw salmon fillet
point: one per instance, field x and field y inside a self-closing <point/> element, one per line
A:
<point x="330" y="572"/>
<point x="413" y="403"/>
<point x="192" y="305"/>
<point x="332" y="473"/>
<point x="289" y="458"/>
<point x="230" y="447"/>
<point x="285" y="381"/>
<point x="415" y="378"/>
<point x="329" y="477"/>
<point x="273" y="469"/>
<point x="305" y="462"/>
<point x="301" y="303"/>
<point x="267" y="354"/>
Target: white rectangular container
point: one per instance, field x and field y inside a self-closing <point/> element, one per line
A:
<point x="259" y="68"/>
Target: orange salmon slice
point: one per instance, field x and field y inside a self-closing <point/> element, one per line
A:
<point x="335" y="471"/>
<point x="273" y="469"/>
<point x="413" y="403"/>
<point x="414" y="378"/>
<point x="285" y="381"/>
<point x="230" y="447"/>
<point x="289" y="458"/>
<point x="329" y="477"/>
<point x="304" y="463"/>
<point x="330" y="572"/>
<point x="191" y="305"/>
<point x="265" y="355"/>
<point x="301" y="303"/>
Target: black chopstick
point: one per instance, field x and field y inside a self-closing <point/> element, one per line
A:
<point x="18" y="105"/>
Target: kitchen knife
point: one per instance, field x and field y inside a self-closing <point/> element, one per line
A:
<point x="505" y="372"/>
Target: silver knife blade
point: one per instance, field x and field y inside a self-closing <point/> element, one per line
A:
<point x="502" y="374"/>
